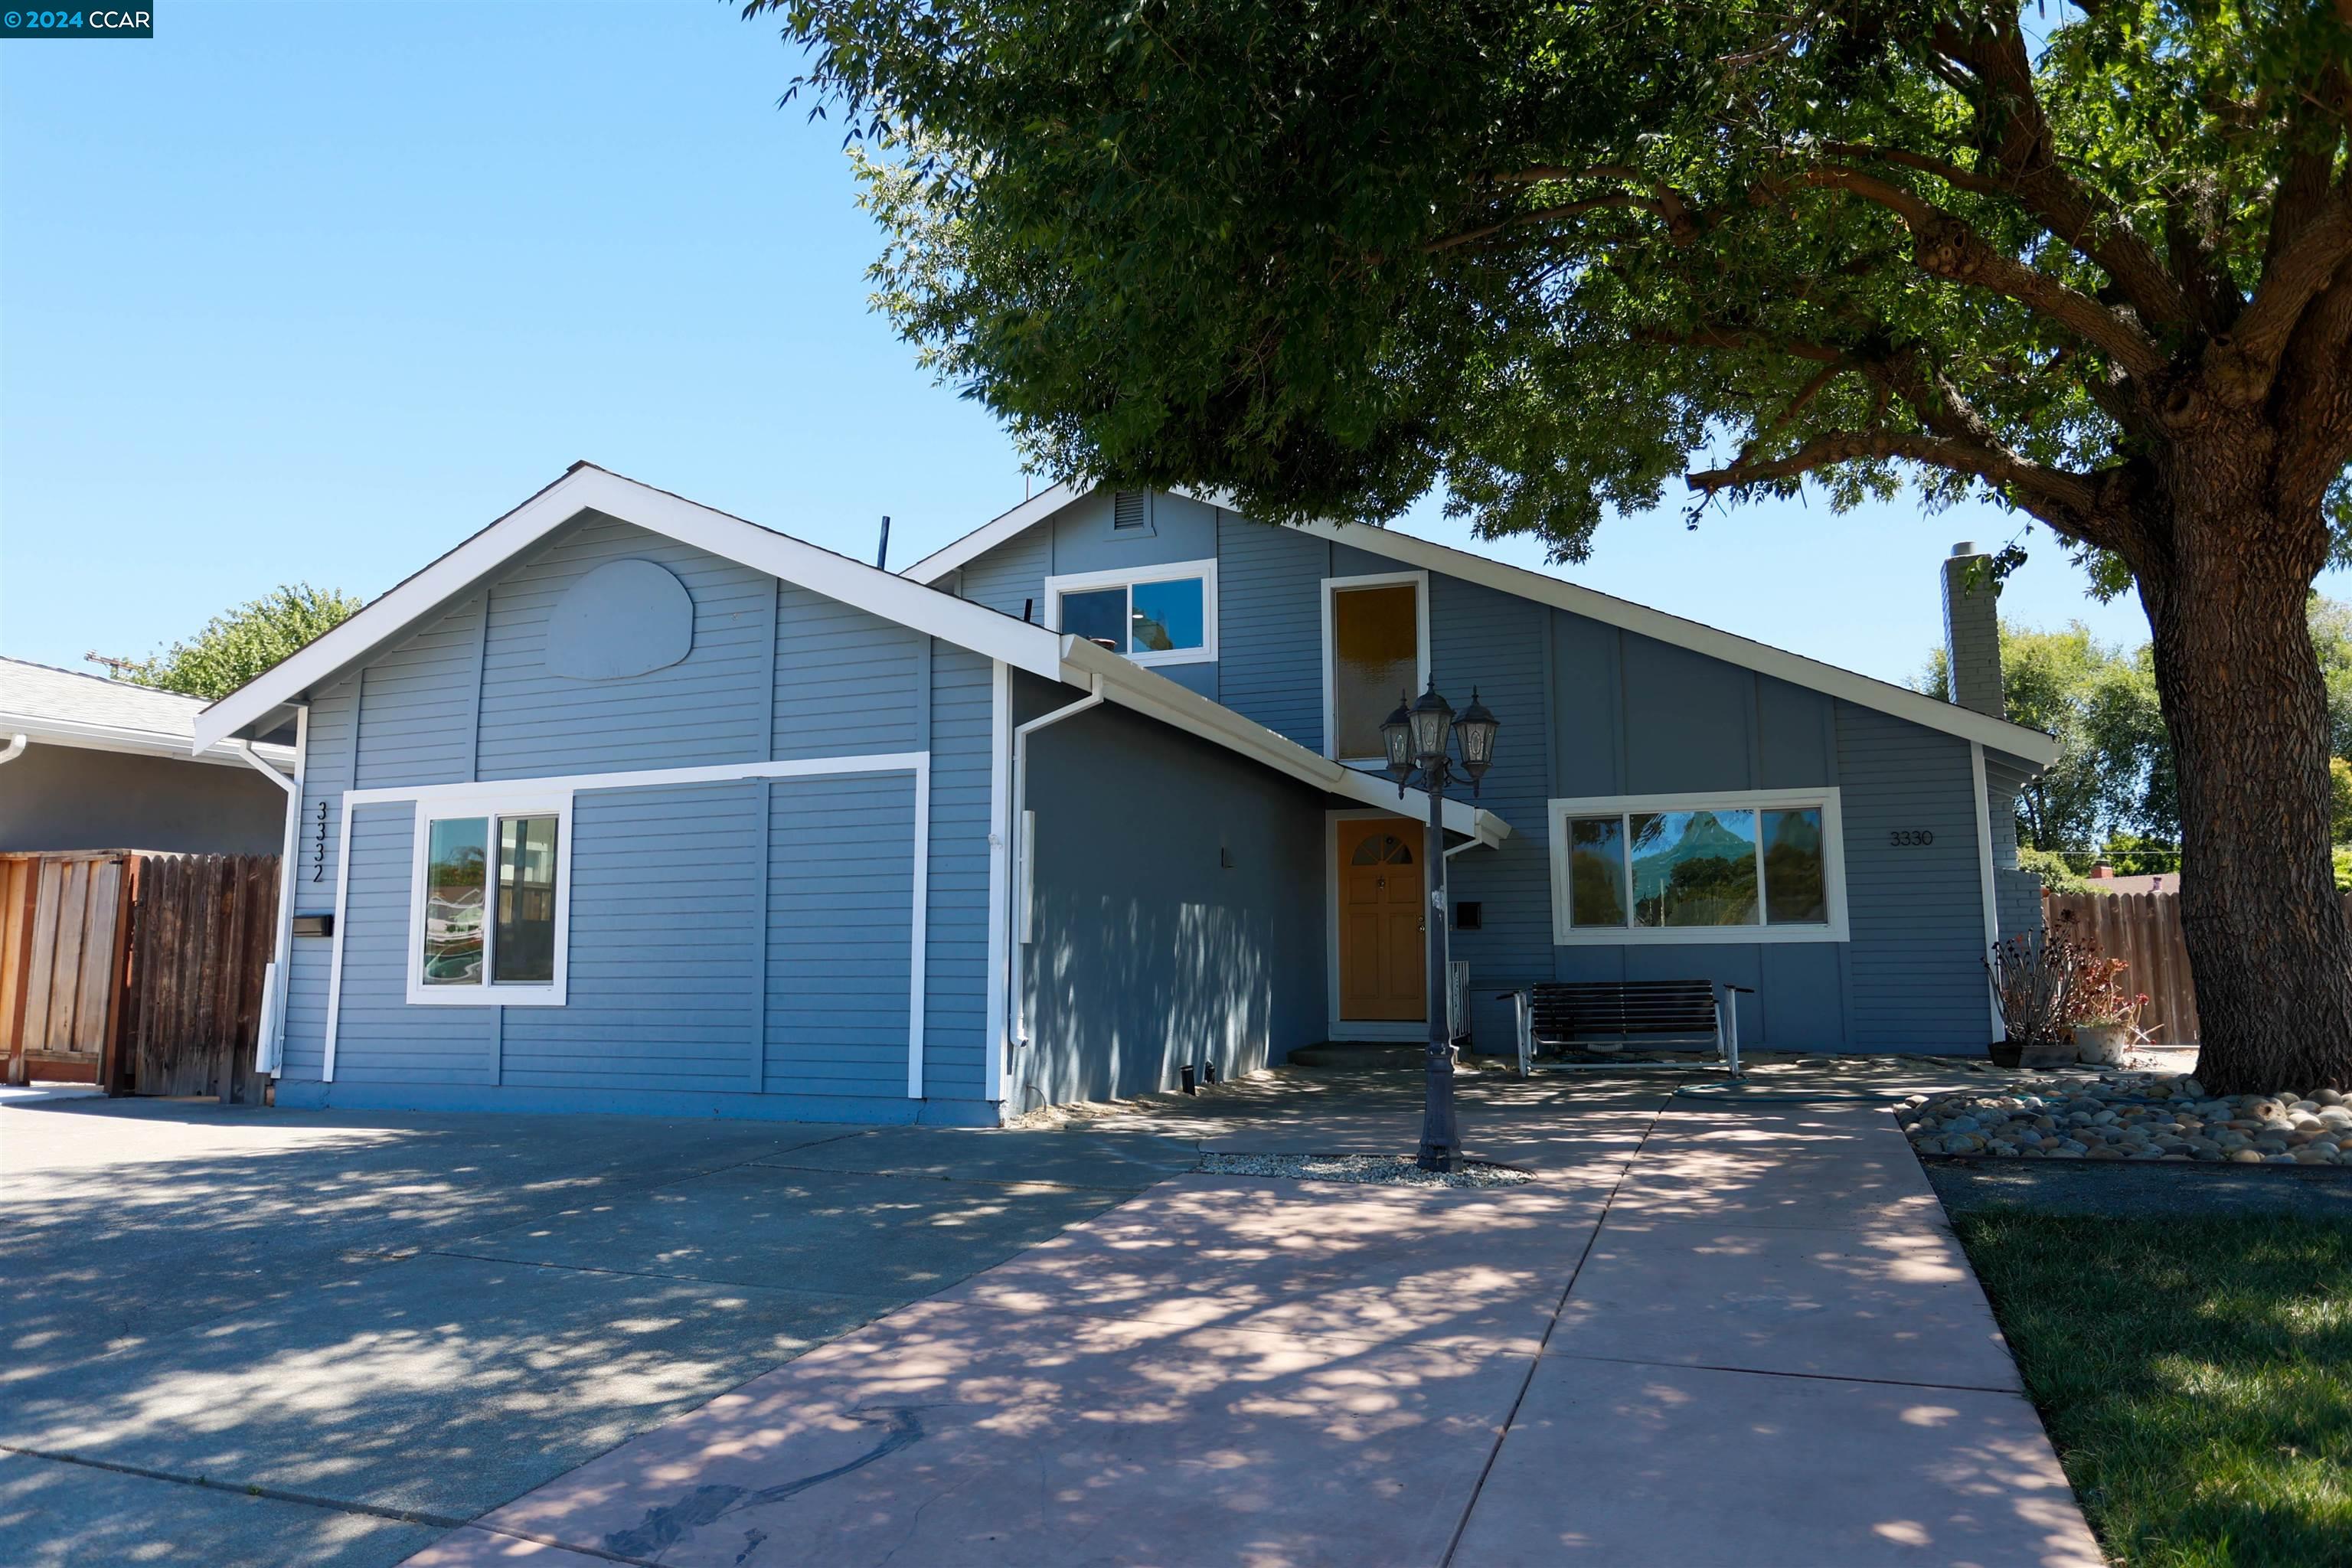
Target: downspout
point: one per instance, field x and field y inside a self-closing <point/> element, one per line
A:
<point x="1023" y="850"/>
<point x="272" y="1034"/>
<point x="13" y="750"/>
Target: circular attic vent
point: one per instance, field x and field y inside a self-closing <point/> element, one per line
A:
<point x="625" y="618"/>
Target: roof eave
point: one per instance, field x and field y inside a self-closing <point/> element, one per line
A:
<point x="586" y="488"/>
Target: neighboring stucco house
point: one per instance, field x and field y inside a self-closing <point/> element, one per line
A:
<point x="626" y="803"/>
<point x="92" y="763"/>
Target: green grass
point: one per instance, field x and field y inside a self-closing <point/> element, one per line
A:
<point x="2196" y="1375"/>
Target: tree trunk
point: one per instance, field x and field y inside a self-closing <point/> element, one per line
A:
<point x="2268" y="944"/>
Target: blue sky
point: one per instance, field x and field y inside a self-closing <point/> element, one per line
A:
<point x="307" y="291"/>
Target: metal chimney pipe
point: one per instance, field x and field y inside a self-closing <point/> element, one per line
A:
<point x="882" y="550"/>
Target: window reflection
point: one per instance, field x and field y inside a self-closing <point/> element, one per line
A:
<point x="1796" y="888"/>
<point x="1694" y="867"/>
<point x="456" y="850"/>
<point x="1596" y="871"/>
<point x="525" y="950"/>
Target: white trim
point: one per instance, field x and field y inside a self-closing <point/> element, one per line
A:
<point x="1127" y="578"/>
<point x="49" y="730"/>
<point x="13" y="750"/>
<point x="496" y="804"/>
<point x="1024" y="871"/>
<point x="1984" y="866"/>
<point x="586" y="488"/>
<point x="1335" y="1027"/>
<point x="998" y="1036"/>
<point x="1559" y="811"/>
<point x="918" y="985"/>
<point x="565" y="787"/>
<point x="1332" y="588"/>
<point x="1795" y="668"/>
<point x="269" y="1040"/>
<point x="989" y="534"/>
<point x="343" y="923"/>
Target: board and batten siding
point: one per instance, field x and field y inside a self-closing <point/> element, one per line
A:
<point x="745" y="942"/>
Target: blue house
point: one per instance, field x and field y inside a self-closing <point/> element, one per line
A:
<point x="627" y="804"/>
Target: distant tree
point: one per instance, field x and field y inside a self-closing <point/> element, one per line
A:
<point x="239" y="643"/>
<point x="2088" y="261"/>
<point x="2114" y="762"/>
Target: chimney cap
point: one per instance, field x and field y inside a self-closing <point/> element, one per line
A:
<point x="1965" y="547"/>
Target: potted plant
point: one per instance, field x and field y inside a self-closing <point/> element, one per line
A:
<point x="2033" y="976"/>
<point x="2102" y="1009"/>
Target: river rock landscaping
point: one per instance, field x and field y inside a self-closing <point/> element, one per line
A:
<point x="2131" y="1116"/>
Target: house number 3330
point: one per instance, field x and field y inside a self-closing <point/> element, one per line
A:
<point x="1910" y="838"/>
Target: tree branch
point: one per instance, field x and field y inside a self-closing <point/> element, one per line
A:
<point x="1944" y="246"/>
<point x="2067" y="501"/>
<point x="1544" y="215"/>
<point x="2018" y="138"/>
<point x="2296" y="277"/>
<point x="1741" y="339"/>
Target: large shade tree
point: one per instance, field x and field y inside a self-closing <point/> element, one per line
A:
<point x="2087" y="262"/>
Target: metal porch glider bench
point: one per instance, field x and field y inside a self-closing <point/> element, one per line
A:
<point x="1600" y="1019"/>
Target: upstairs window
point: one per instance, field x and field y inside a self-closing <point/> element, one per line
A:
<point x="1375" y="647"/>
<point x="488" y="903"/>
<point x="1762" y="865"/>
<point x="1153" y="614"/>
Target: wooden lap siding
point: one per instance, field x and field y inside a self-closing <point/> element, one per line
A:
<point x="664" y="970"/>
<point x="685" y="973"/>
<point x="1589" y="709"/>
<point x="715" y="707"/>
<point x="955" y="1022"/>
<point x="1916" y="960"/>
<point x="840" y="920"/>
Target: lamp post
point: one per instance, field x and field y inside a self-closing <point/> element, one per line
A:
<point x="1414" y="739"/>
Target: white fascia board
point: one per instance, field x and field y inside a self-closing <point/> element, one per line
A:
<point x="989" y="535"/>
<point x="589" y="489"/>
<point x="1160" y="697"/>
<point x="48" y="730"/>
<point x="1795" y="668"/>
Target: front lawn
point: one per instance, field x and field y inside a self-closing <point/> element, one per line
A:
<point x="2194" y="1373"/>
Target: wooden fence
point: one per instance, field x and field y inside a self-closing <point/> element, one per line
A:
<point x="2143" y="931"/>
<point x="140" y="973"/>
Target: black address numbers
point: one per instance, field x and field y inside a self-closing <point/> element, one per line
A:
<point x="1911" y="838"/>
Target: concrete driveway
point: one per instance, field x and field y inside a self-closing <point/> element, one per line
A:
<point x="358" y="1330"/>
<point x="1724" y="1331"/>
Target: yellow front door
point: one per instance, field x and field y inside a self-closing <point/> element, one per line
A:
<point x="1382" y="941"/>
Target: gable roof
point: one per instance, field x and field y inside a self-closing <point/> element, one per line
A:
<point x="73" y="708"/>
<point x="260" y="703"/>
<point x="1852" y="686"/>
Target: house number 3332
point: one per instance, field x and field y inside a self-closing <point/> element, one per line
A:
<point x="1910" y="838"/>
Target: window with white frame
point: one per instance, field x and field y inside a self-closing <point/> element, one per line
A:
<point x="1153" y="614"/>
<point x="1375" y="648"/>
<point x="1754" y="865"/>
<point x="489" y="900"/>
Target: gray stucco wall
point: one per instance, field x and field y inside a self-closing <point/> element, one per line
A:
<point x="1149" y="950"/>
<point x="69" y="797"/>
<point x="742" y="947"/>
<point x="1589" y="709"/>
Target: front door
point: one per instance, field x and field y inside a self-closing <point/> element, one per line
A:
<point x="1383" y="941"/>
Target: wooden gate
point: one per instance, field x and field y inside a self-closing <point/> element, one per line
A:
<point x="140" y="973"/>
<point x="60" y="978"/>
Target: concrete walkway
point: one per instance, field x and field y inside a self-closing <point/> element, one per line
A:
<point x="1711" y="1331"/>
